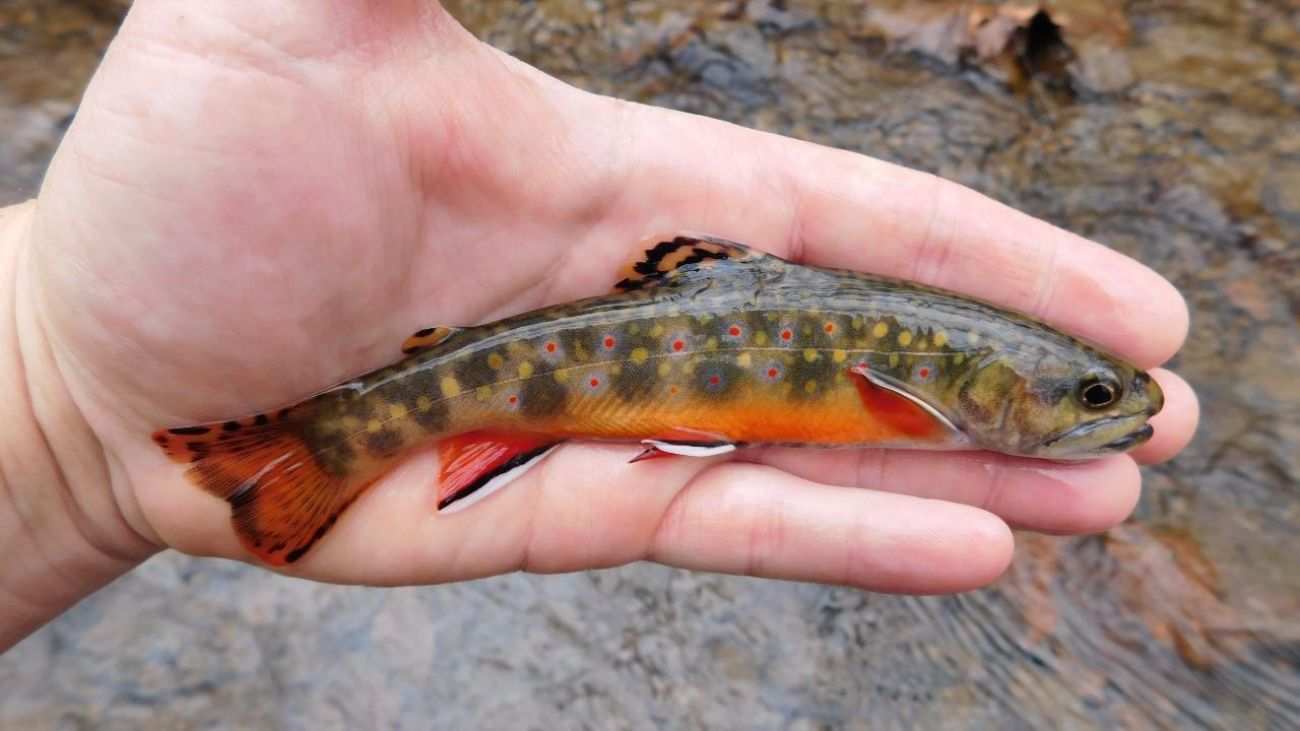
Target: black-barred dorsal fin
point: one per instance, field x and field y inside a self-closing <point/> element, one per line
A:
<point x="428" y="337"/>
<point x="667" y="260"/>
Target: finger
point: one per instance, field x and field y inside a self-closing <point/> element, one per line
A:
<point x="832" y="207"/>
<point x="858" y="212"/>
<point x="1048" y="497"/>
<point x="749" y="519"/>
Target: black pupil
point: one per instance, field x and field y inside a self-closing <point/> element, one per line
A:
<point x="1098" y="394"/>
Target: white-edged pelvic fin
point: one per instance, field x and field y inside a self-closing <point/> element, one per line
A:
<point x="889" y="384"/>
<point x="686" y="449"/>
<point x="492" y="484"/>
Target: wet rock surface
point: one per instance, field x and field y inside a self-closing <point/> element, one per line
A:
<point x="1168" y="130"/>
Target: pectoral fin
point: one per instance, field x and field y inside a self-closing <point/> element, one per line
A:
<point x="894" y="404"/>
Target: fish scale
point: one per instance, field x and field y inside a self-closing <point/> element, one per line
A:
<point x="703" y="346"/>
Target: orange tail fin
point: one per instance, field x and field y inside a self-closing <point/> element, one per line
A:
<point x="281" y="501"/>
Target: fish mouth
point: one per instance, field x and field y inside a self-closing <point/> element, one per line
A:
<point x="1105" y="436"/>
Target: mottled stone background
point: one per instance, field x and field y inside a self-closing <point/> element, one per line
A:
<point x="1168" y="129"/>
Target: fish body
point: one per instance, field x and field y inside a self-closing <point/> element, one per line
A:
<point x="703" y="346"/>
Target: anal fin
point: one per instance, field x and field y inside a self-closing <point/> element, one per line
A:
<point x="476" y="464"/>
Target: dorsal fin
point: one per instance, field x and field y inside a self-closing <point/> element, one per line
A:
<point x="428" y="337"/>
<point x="667" y="260"/>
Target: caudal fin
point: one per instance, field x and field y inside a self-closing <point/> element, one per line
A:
<point x="281" y="501"/>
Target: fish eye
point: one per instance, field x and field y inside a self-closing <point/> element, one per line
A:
<point x="1098" y="393"/>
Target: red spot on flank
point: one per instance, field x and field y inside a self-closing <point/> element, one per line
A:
<point x="829" y="328"/>
<point x="678" y="345"/>
<point x="609" y="343"/>
<point x="672" y="390"/>
<point x="551" y="346"/>
<point x="715" y="380"/>
<point x="772" y="373"/>
<point x="924" y="373"/>
<point x="734" y="331"/>
<point x="786" y="334"/>
<point x="594" y="382"/>
<point x="513" y="399"/>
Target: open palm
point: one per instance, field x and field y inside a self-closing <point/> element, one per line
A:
<point x="258" y="201"/>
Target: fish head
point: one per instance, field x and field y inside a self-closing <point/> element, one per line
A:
<point x="1056" y="399"/>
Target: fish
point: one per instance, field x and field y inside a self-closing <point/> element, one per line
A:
<point x="703" y="346"/>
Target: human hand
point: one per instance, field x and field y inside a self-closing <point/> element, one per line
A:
<point x="259" y="200"/>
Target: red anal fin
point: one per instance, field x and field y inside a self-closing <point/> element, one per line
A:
<point x="891" y="406"/>
<point x="476" y="464"/>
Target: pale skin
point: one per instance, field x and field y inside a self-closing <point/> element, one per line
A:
<point x="260" y="199"/>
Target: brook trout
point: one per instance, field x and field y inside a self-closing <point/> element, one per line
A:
<point x="703" y="346"/>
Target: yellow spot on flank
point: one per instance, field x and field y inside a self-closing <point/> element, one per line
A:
<point x="958" y="358"/>
<point x="839" y="356"/>
<point x="880" y="330"/>
<point x="810" y="386"/>
<point x="657" y="330"/>
<point x="711" y="344"/>
<point x="526" y="370"/>
<point x="423" y="403"/>
<point x="940" y="339"/>
<point x="633" y="329"/>
<point x="704" y="319"/>
<point x="373" y="426"/>
<point x="397" y="411"/>
<point x="495" y="361"/>
<point x="615" y="369"/>
<point x="760" y="338"/>
<point x="744" y="360"/>
<point x="905" y="338"/>
<point x="810" y="355"/>
<point x="665" y="368"/>
<point x="893" y="360"/>
<point x="638" y="355"/>
<point x="689" y="367"/>
<point x="450" y="388"/>
<point x="483" y="393"/>
<point x="921" y="344"/>
<point x="561" y="375"/>
<point x="580" y="353"/>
